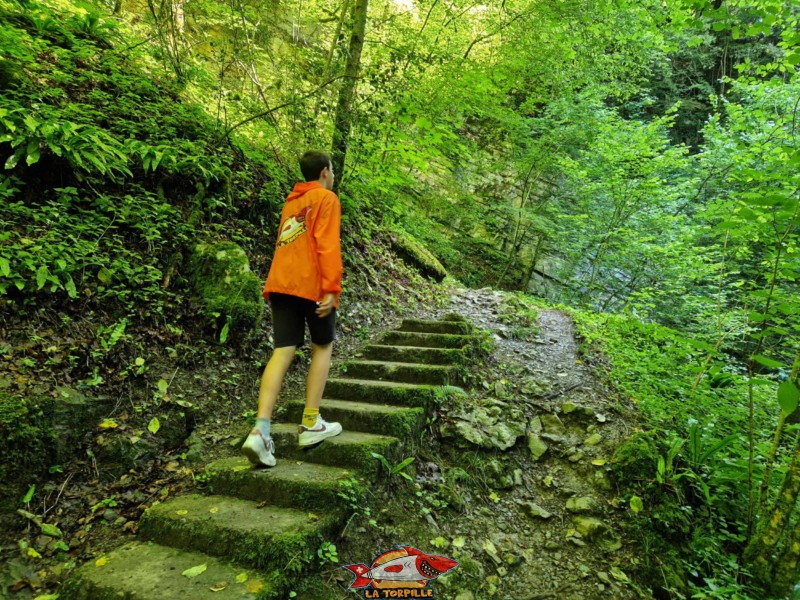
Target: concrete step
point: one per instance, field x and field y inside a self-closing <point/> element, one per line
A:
<point x="394" y="421"/>
<point x="290" y="484"/>
<point x="426" y="340"/>
<point x="427" y="326"/>
<point x="414" y="354"/>
<point x="268" y="537"/>
<point x="454" y="317"/>
<point x="147" y="571"/>
<point x="381" y="392"/>
<point x="401" y="372"/>
<point x="350" y="449"/>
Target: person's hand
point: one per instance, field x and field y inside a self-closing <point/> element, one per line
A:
<point x="325" y="306"/>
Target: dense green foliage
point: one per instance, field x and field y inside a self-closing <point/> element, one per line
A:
<point x="689" y="464"/>
<point x="109" y="174"/>
<point x="638" y="158"/>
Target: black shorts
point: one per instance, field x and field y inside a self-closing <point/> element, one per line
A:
<point x="289" y="317"/>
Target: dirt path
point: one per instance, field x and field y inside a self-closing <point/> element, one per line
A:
<point x="553" y="532"/>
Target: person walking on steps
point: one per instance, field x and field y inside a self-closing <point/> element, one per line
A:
<point x="302" y="288"/>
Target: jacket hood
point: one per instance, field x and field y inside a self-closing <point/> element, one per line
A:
<point x="302" y="188"/>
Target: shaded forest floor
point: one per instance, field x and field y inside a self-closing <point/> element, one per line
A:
<point x="510" y="480"/>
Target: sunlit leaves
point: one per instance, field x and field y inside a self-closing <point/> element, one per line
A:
<point x="788" y="396"/>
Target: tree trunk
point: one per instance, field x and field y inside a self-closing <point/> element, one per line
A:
<point x="532" y="268"/>
<point x="760" y="553"/>
<point x="786" y="570"/>
<point x="343" y="119"/>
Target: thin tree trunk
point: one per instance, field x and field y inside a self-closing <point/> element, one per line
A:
<point x="329" y="61"/>
<point x="532" y="268"/>
<point x="759" y="554"/>
<point x="343" y="120"/>
<point x="785" y="575"/>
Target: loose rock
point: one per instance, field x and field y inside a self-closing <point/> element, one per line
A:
<point x="533" y="510"/>
<point x="552" y="424"/>
<point x="588" y="527"/>
<point x="536" y="446"/>
<point x="593" y="439"/>
<point x="535" y="425"/>
<point x="583" y="505"/>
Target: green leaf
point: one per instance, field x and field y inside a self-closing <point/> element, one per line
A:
<point x="157" y="160"/>
<point x="619" y="575"/>
<point x="717" y="446"/>
<point x="14" y="159"/>
<point x="195" y="571"/>
<point x="223" y="335"/>
<point x="29" y="494"/>
<point x="105" y="276"/>
<point x="636" y="504"/>
<point x="5" y="267"/>
<point x="382" y="459"/>
<point x="767" y="362"/>
<point x="402" y="465"/>
<point x="70" y="287"/>
<point x="30" y="122"/>
<point x="33" y="152"/>
<point x="41" y="276"/>
<point x="154" y="425"/>
<point x="50" y="530"/>
<point x="788" y="397"/>
<point x="162" y="386"/>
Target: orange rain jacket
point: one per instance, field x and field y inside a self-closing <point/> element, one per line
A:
<point x="308" y="257"/>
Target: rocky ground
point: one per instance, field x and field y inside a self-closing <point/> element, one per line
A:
<point x="536" y="514"/>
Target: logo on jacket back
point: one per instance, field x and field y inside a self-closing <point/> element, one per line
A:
<point x="401" y="573"/>
<point x="293" y="227"/>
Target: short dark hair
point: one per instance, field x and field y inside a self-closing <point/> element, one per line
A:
<point x="312" y="163"/>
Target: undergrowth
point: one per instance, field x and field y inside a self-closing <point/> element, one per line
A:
<point x="687" y="470"/>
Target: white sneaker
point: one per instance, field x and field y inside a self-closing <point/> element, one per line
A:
<point x="322" y="430"/>
<point x="259" y="449"/>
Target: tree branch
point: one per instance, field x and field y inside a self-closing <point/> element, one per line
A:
<point x="284" y="105"/>
<point x="482" y="38"/>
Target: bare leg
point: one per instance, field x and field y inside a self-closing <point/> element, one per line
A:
<point x="318" y="374"/>
<point x="272" y="380"/>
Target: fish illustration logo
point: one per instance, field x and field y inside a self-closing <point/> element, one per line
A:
<point x="404" y="567"/>
<point x="293" y="227"/>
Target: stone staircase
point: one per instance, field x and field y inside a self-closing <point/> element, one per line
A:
<point x="255" y="532"/>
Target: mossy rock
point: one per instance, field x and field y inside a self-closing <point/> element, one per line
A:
<point x="487" y="427"/>
<point x="147" y="570"/>
<point x="239" y="530"/>
<point x="222" y="279"/>
<point x="417" y="255"/>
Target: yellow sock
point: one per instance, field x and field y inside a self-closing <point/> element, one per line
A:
<point x="310" y="417"/>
